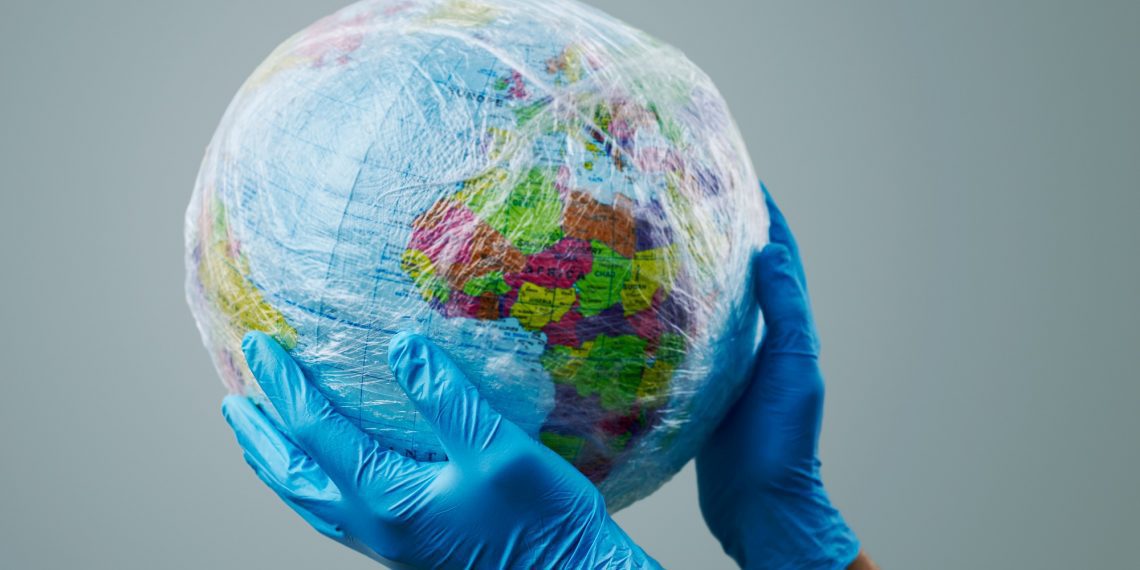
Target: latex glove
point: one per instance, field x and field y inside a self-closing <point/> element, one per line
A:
<point x="758" y="476"/>
<point x="502" y="500"/>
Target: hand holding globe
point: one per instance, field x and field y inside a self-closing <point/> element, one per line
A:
<point x="559" y="202"/>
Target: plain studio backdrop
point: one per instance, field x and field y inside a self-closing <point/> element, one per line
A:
<point x="964" y="178"/>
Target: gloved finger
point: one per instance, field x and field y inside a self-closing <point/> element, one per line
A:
<point x="784" y="303"/>
<point x="352" y="459"/>
<point x="462" y="420"/>
<point x="321" y="525"/>
<point x="283" y="467"/>
<point x="780" y="233"/>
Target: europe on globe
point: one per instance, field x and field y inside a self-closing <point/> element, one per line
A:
<point x="560" y="201"/>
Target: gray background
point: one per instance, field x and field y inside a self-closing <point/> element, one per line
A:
<point x="962" y="176"/>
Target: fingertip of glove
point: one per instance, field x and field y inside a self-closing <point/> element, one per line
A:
<point x="775" y="253"/>
<point x="266" y="359"/>
<point x="228" y="404"/>
<point x="250" y="339"/>
<point x="232" y="401"/>
<point x="398" y="342"/>
<point x="254" y="343"/>
<point x="262" y="445"/>
<point x="412" y="357"/>
<point x="402" y="344"/>
<point x="769" y="202"/>
<point x="235" y="406"/>
<point x="774" y="259"/>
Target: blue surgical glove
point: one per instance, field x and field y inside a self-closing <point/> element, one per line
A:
<point x="502" y="500"/>
<point x="758" y="476"/>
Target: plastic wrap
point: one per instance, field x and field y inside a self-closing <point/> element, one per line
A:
<point x="560" y="201"/>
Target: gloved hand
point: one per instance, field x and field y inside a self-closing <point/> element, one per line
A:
<point x="758" y="476"/>
<point x="502" y="500"/>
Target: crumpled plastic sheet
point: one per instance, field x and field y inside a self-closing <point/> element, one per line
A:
<point x="559" y="200"/>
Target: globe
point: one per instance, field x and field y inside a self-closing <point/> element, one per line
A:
<point x="560" y="201"/>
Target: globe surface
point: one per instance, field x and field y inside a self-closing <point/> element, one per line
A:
<point x="561" y="202"/>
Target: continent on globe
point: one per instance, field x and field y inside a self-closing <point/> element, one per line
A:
<point x="594" y="279"/>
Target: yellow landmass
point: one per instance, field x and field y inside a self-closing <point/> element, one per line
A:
<point x="654" y="382"/>
<point x="463" y="13"/>
<point x="537" y="306"/>
<point x="223" y="272"/>
<point x="417" y="265"/>
<point x="704" y="239"/>
<point x="651" y="269"/>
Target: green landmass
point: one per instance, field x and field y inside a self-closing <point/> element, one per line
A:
<point x="567" y="446"/>
<point x="529" y="215"/>
<point x="489" y="283"/>
<point x="609" y="366"/>
<point x="601" y="288"/>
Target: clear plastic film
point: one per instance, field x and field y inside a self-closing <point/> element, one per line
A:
<point x="561" y="202"/>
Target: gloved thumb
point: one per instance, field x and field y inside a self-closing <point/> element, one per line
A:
<point x="784" y="302"/>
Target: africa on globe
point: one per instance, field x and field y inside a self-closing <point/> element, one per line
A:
<point x="561" y="202"/>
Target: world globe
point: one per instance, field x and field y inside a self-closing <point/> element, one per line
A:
<point x="561" y="202"/>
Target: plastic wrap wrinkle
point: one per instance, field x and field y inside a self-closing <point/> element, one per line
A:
<point x="561" y="202"/>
